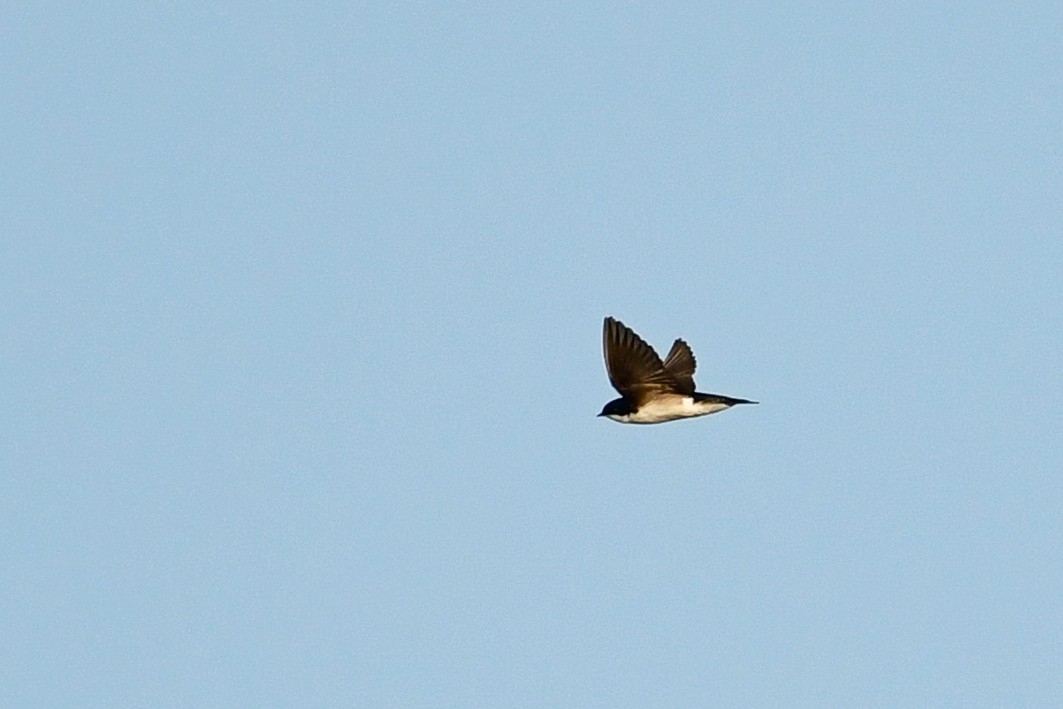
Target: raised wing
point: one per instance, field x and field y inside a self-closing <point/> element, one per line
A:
<point x="634" y="368"/>
<point x="680" y="363"/>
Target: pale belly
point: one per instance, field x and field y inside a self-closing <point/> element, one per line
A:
<point x="670" y="410"/>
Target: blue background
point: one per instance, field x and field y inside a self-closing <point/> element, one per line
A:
<point x="302" y="354"/>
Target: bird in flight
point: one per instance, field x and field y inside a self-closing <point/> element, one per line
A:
<point x="652" y="391"/>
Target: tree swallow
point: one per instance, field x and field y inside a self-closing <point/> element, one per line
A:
<point x="652" y="391"/>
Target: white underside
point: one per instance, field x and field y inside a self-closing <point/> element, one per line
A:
<point x="670" y="410"/>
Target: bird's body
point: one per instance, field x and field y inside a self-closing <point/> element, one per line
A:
<point x="669" y="407"/>
<point x="652" y="391"/>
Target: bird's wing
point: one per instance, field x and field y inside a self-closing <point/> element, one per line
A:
<point x="680" y="363"/>
<point x="634" y="368"/>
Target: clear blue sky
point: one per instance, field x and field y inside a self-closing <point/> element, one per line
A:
<point x="301" y="354"/>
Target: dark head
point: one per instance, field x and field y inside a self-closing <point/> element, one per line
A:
<point x="617" y="407"/>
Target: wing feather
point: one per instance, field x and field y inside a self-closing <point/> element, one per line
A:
<point x="681" y="364"/>
<point x="635" y="370"/>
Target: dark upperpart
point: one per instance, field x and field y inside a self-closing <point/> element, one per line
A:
<point x="618" y="407"/>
